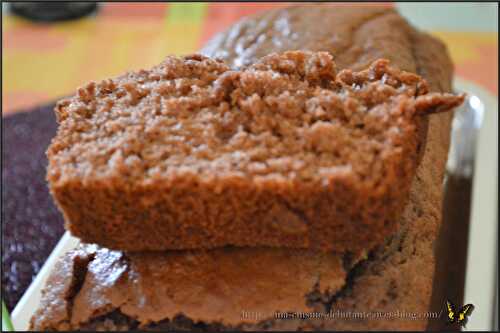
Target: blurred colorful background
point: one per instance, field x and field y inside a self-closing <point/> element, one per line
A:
<point x="43" y="62"/>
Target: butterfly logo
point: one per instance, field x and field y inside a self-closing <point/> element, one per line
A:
<point x="460" y="316"/>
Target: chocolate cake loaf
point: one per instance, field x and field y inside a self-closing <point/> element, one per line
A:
<point x="286" y="153"/>
<point x="395" y="279"/>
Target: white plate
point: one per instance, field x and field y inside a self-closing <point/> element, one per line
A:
<point x="481" y="268"/>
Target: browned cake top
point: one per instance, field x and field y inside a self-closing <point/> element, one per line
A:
<point x="290" y="116"/>
<point x="211" y="286"/>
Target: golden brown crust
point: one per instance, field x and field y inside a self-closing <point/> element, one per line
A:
<point x="209" y="286"/>
<point x="62" y="286"/>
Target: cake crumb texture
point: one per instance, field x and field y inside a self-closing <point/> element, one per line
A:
<point x="287" y="152"/>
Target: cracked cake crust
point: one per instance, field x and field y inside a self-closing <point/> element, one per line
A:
<point x="211" y="286"/>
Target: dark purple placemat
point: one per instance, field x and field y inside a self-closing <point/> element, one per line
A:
<point x="31" y="224"/>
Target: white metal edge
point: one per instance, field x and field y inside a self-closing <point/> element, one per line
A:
<point x="480" y="282"/>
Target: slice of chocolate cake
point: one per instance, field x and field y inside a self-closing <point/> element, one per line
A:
<point x="284" y="153"/>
